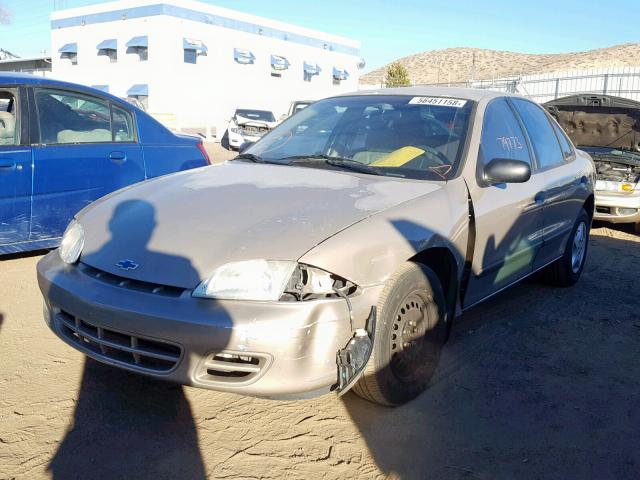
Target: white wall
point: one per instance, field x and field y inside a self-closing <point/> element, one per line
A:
<point x="204" y="94"/>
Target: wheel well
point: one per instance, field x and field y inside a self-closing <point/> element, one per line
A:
<point x="443" y="264"/>
<point x="589" y="206"/>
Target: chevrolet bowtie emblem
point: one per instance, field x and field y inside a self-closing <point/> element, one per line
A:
<point x="127" y="265"/>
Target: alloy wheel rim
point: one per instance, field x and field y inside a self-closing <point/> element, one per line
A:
<point x="579" y="247"/>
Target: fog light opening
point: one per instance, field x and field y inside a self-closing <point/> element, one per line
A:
<point x="627" y="211"/>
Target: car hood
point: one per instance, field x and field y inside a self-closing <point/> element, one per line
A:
<point x="177" y="229"/>
<point x="598" y="120"/>
<point x="252" y="122"/>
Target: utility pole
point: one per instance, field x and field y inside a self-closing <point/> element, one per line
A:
<point x="473" y="67"/>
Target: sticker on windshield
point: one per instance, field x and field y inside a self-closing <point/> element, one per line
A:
<point x="438" y="101"/>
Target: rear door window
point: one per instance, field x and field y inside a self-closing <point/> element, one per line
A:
<point x="543" y="138"/>
<point x="8" y="119"/>
<point x="66" y="117"/>
<point x="502" y="136"/>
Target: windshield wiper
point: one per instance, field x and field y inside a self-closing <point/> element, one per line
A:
<point x="344" y="163"/>
<point x="251" y="157"/>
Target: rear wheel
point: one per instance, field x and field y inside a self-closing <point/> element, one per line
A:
<point x="410" y="332"/>
<point x="566" y="271"/>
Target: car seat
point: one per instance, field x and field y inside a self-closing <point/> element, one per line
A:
<point x="7" y="129"/>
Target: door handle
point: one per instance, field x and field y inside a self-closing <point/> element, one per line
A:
<point x="7" y="165"/>
<point x="118" y="157"/>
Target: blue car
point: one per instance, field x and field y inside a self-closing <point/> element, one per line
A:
<point x="62" y="146"/>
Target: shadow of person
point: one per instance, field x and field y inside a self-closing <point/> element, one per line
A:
<point x="127" y="425"/>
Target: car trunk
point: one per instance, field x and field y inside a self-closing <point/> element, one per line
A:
<point x="608" y="128"/>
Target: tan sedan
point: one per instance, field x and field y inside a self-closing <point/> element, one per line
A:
<point x="334" y="253"/>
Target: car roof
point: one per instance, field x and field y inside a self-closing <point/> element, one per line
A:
<point x="16" y="78"/>
<point x="474" y="94"/>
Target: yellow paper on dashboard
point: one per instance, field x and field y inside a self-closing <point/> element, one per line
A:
<point x="399" y="157"/>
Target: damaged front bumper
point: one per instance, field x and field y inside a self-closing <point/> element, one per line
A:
<point x="266" y="349"/>
<point x="237" y="140"/>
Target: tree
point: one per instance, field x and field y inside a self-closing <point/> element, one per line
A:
<point x="397" y="76"/>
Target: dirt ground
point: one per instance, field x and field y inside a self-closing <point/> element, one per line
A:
<point x="538" y="383"/>
<point x="217" y="153"/>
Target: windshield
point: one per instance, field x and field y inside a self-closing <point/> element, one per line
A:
<point x="413" y="137"/>
<point x="261" y="115"/>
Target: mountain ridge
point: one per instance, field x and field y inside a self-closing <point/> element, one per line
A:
<point x="460" y="64"/>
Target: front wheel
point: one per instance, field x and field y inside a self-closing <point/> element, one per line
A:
<point x="566" y="271"/>
<point x="410" y="332"/>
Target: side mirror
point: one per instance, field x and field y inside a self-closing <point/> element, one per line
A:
<point x="244" y="146"/>
<point x="506" y="170"/>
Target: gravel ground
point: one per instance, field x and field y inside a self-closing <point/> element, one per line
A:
<point x="537" y="383"/>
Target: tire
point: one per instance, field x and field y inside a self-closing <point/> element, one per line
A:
<point x="565" y="271"/>
<point x="412" y="302"/>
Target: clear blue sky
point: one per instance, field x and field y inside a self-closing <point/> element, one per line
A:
<point x="390" y="29"/>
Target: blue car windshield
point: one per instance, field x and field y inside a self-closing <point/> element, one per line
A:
<point x="396" y="135"/>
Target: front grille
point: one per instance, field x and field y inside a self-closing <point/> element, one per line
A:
<point x="232" y="367"/>
<point x="115" y="280"/>
<point x="255" y="130"/>
<point x="139" y="353"/>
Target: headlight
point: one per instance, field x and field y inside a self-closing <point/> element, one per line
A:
<point x="236" y="130"/>
<point x="273" y="280"/>
<point x="613" y="186"/>
<point x="247" y="280"/>
<point x="72" y="243"/>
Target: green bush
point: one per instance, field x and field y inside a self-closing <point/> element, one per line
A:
<point x="397" y="76"/>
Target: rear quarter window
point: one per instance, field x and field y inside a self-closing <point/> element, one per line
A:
<point x="565" y="145"/>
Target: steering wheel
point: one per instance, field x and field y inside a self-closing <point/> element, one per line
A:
<point x="436" y="153"/>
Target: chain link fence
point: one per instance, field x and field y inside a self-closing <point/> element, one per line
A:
<point x="620" y="82"/>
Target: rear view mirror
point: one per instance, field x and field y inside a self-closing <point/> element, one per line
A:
<point x="506" y="170"/>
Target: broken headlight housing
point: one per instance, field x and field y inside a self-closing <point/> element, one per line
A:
<point x="311" y="283"/>
<point x="272" y="280"/>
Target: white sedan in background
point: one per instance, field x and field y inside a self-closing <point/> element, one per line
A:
<point x="247" y="126"/>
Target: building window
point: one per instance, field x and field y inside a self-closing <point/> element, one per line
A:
<point x="311" y="71"/>
<point x="69" y="52"/>
<point x="193" y="49"/>
<point x="278" y="65"/>
<point x="339" y="75"/>
<point x="140" y="93"/>
<point x="109" y="48"/>
<point x="190" y="56"/>
<point x="139" y="46"/>
<point x="243" y="57"/>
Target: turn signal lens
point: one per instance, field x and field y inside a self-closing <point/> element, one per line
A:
<point x="627" y="187"/>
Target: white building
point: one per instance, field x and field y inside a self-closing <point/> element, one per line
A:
<point x="193" y="64"/>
